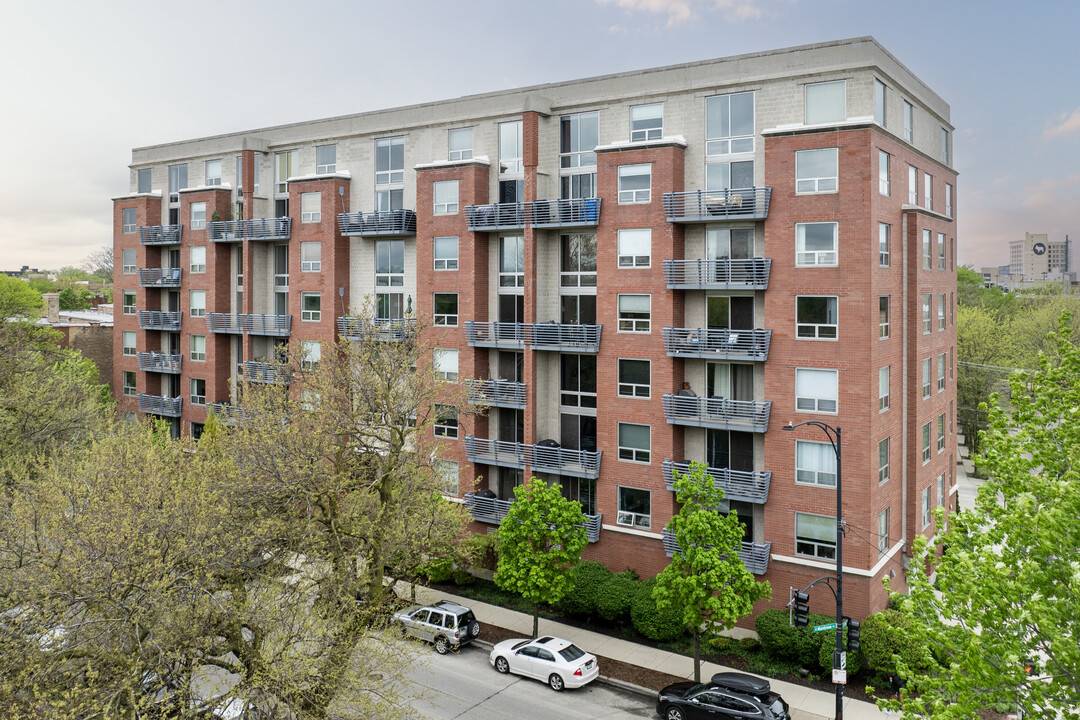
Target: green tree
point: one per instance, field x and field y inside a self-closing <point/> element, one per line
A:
<point x="1007" y="593"/>
<point x="75" y="298"/>
<point x="706" y="579"/>
<point x="540" y="542"/>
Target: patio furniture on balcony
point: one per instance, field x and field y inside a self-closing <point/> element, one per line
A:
<point x="159" y="277"/>
<point x="718" y="344"/>
<point x="159" y="362"/>
<point x="703" y="206"/>
<point x="720" y="413"/>
<point x="701" y="274"/>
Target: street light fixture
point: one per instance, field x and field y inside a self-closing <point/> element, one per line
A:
<point x="833" y="433"/>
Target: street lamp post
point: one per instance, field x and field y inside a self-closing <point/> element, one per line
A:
<point x="833" y="433"/>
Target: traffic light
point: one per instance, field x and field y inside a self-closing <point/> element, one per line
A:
<point x="853" y="635"/>
<point x="800" y="606"/>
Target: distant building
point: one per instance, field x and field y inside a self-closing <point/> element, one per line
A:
<point x="88" y="331"/>
<point x="1032" y="261"/>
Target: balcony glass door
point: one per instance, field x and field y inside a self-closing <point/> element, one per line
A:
<point x="578" y="432"/>
<point x="733" y="381"/>
<point x="729" y="449"/>
<point x="729" y="312"/>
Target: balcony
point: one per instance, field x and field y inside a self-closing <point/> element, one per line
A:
<point x="716" y="344"/>
<point x="561" y="461"/>
<point x="755" y="556"/>
<point x="160" y="234"/>
<point x="720" y="413"/>
<point x="704" y="206"/>
<point x="737" y="484"/>
<point x="159" y="362"/>
<point x="384" y="329"/>
<point x="260" y="229"/>
<point x="496" y="334"/>
<point x="493" y="510"/>
<point x="379" y="223"/>
<point x="743" y="274"/>
<point x="160" y="405"/>
<point x="497" y="393"/>
<point x="234" y="324"/>
<point x="158" y="320"/>
<point x="572" y="213"/>
<point x="265" y="372"/>
<point x="159" y="277"/>
<point x="496" y="216"/>
<point x="558" y="337"/>
<point x="228" y="414"/>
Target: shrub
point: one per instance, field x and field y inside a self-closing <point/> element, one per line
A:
<point x="782" y="640"/>
<point x="463" y="577"/>
<point x="655" y="624"/>
<point x="828" y="646"/>
<point x="722" y="644"/>
<point x="438" y="570"/>
<point x="749" y="644"/>
<point x="886" y="635"/>
<point x="583" y="598"/>
<point x="614" y="595"/>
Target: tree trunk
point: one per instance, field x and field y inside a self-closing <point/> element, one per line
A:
<point x="697" y="656"/>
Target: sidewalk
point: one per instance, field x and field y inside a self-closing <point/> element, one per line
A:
<point x="806" y="704"/>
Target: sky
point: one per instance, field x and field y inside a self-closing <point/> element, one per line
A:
<point x="85" y="82"/>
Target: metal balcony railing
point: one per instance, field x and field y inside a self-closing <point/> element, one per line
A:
<point x="559" y="337"/>
<point x="229" y="414"/>
<point x="717" y="344"/>
<point x="497" y="393"/>
<point x="742" y="274"/>
<point x="385" y="222"/>
<point x="702" y="206"/>
<point x="496" y="216"/>
<point x="561" y="461"/>
<point x="259" y="229"/>
<point x="495" y="334"/>
<point x="575" y="212"/>
<point x="755" y="556"/>
<point x="494" y="510"/>
<point x="225" y="323"/>
<point x="385" y="329"/>
<point x="238" y="324"/>
<point x="159" y="362"/>
<point x="159" y="277"/>
<point x="160" y="405"/>
<point x="265" y="372"/>
<point x="720" y="413"/>
<point x="160" y="234"/>
<point x="737" y="484"/>
<point x="158" y="320"/>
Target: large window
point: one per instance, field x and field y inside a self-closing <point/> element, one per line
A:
<point x="826" y="102"/>
<point x="129" y="342"/>
<point x="325" y="159"/>
<point x="198" y="216"/>
<point x="310" y="256"/>
<point x="129" y="302"/>
<point x="883" y="389"/>
<point x="944" y="146"/>
<point x="926" y="302"/>
<point x="198" y="303"/>
<point x="197" y="259"/>
<point x="635" y="508"/>
<point x="883" y="172"/>
<point x="729" y="124"/>
<point x="941" y="251"/>
<point x="198" y="391"/>
<point x="634" y="442"/>
<point x="311" y="207"/>
<point x="883" y="532"/>
<point x="577" y="381"/>
<point x="635" y="247"/>
<point x="635" y="313"/>
<point x="198" y="347"/>
<point x="446" y="253"/>
<point x="883" y="233"/>
<point x="941" y="372"/>
<point x="578" y="138"/>
<point x="926" y="378"/>
<point x="129" y="220"/>
<point x="311" y="306"/>
<point x="578" y="261"/>
<point x="446" y="364"/>
<point x="941" y="433"/>
<point x="926" y="443"/>
<point x="815" y="317"/>
<point x="389" y="173"/>
<point x="635" y="183"/>
<point x="883" y="461"/>
<point x="948" y="200"/>
<point x="446" y="309"/>
<point x="213" y="172"/>
<point x="177" y="181"/>
<point x="909" y="121"/>
<point x="389" y="263"/>
<point x="879" y="102"/>
<point x="816" y="390"/>
<point x="926" y="506"/>
<point x="815" y="536"/>
<point x="816" y="244"/>
<point x="145" y="180"/>
<point x="284" y="168"/>
<point x="512" y="261"/>
<point x="912" y="185"/>
<point x="941" y="311"/>
<point x="127" y="261"/>
<point x="883" y="317"/>
<point x="460" y="142"/>
<point x="446" y="421"/>
<point x="634" y="378"/>
<point x="646" y="122"/>
<point x="928" y="191"/>
<point x="510" y="148"/>
<point x="815" y="463"/>
<point x="129" y="382"/>
<point x="816" y="171"/>
<point x="446" y="197"/>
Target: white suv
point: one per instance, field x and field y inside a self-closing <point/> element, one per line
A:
<point x="446" y="624"/>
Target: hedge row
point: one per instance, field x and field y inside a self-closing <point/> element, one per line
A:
<point x="598" y="592"/>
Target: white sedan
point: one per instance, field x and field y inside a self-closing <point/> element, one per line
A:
<point x="559" y="663"/>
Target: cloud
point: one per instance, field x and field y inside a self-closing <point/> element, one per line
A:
<point x="1066" y="124"/>
<point x="682" y="11"/>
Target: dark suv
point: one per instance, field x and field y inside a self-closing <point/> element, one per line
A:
<point x="446" y="624"/>
<point x="726" y="695"/>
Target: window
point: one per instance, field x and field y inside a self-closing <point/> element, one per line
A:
<point x="446" y="364"/>
<point x="177" y="181"/>
<point x="883" y="317"/>
<point x="446" y="422"/>
<point x="928" y="191"/>
<point x="729" y="124"/>
<point x="883" y="461"/>
<point x="941" y="372"/>
<point x="816" y="390"/>
<point x="213" y="172"/>
<point x="883" y="532"/>
<point x="912" y="185"/>
<point x="129" y="220"/>
<point x="512" y="261"/>
<point x="198" y="347"/>
<point x="635" y="183"/>
<point x="879" y="103"/>
<point x="311" y="306"/>
<point x="634" y="378"/>
<point x="816" y="171"/>
<point x="646" y="122"/>
<point x="129" y="382"/>
<point x="815" y="317"/>
<point x="577" y="381"/>
<point x="389" y="263"/>
<point x="284" y="168"/>
<point x="446" y="197"/>
<point x="883" y="389"/>
<point x="948" y="200"/>
<point x="635" y="508"/>
<point x="944" y="146"/>
<point x="310" y="400"/>
<point x="446" y="475"/>
<point x="197" y="259"/>
<point x="925" y="506"/>
<point x="826" y="102"/>
<point x="198" y="303"/>
<point x="390" y="161"/>
<point x="310" y="354"/>
<point x="634" y="442"/>
<point x="578" y="138"/>
<point x="198" y="391"/>
<point x="941" y="251"/>
<point x="510" y="148"/>
<point x="815" y="244"/>
<point x="926" y="443"/>
<point x="578" y="261"/>
<point x="926" y="378"/>
<point x="446" y="309"/>
<point x="310" y="256"/>
<point x="729" y="175"/>
<point x="883" y="232"/>
<point x="909" y="121"/>
<point x="927" y="250"/>
<point x="129" y="342"/>
<point x="635" y="248"/>
<point x="941" y="433"/>
<point x="941" y="312"/>
<point x="815" y="463"/>
<point x="460" y="142"/>
<point x="128" y="261"/>
<point x="325" y="159"/>
<point x="198" y="215"/>
<point x="310" y="207"/>
<point x="926" y="312"/>
<point x="635" y="313"/>
<point x="941" y="489"/>
<point x="145" y="180"/>
<point x="883" y="172"/>
<point x="129" y="302"/>
<point x="815" y="536"/>
<point x="446" y="253"/>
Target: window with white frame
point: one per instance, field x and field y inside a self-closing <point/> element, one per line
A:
<point x="129" y="382"/>
<point x="647" y="122"/>
<point x="460" y="143"/>
<point x="815" y="536"/>
<point x="941" y="251"/>
<point x="446" y="309"/>
<point x="941" y="312"/>
<point x="884" y="231"/>
<point x="635" y="247"/>
<point x="389" y="173"/>
<point x="510" y="148"/>
<point x="635" y="313"/>
<point x="883" y="461"/>
<point x="577" y="260"/>
<point x="634" y="442"/>
<point x="941" y="489"/>
<point x="926" y="506"/>
<point x="926" y="443"/>
<point x="129" y="342"/>
<point x="815" y="317"/>
<point x="389" y="263"/>
<point x="198" y="215"/>
<point x="129" y="220"/>
<point x="815" y="463"/>
<point x="816" y="390"/>
<point x="729" y="124"/>
<point x="941" y="372"/>
<point x="310" y="207"/>
<point x="197" y="259"/>
<point x="927" y="250"/>
<point x="635" y="183"/>
<point x="948" y="200"/>
<point x="879" y="102"/>
<point x="284" y="168"/>
<point x="446" y="197"/>
<point x="145" y="180"/>
<point x="883" y="532"/>
<point x="826" y="102"/>
<point x="883" y="389"/>
<point x="198" y="303"/>
<point x="635" y="508"/>
<point x="883" y="172"/>
<point x="909" y="121"/>
<point x="816" y="244"/>
<point x="311" y="306"/>
<point x="310" y="354"/>
<point x="446" y="475"/>
<point x="926" y="302"/>
<point x="128" y="261"/>
<point x="944" y="146"/>
<point x="311" y="256"/>
<point x="883" y="317"/>
<point x="446" y="253"/>
<point x="928" y="191"/>
<point x="129" y="302"/>
<point x="578" y="138"/>
<point x="213" y="172"/>
<point x="634" y="378"/>
<point x="198" y="391"/>
<point x="446" y="421"/>
<point x="177" y="181"/>
<point x="446" y="364"/>
<point x="198" y="347"/>
<point x="512" y="261"/>
<point x="816" y="171"/>
<point x="925" y="378"/>
<point x="577" y="380"/>
<point x="325" y="159"/>
<point x="912" y="185"/>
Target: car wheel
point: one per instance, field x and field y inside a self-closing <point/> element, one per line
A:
<point x="474" y="628"/>
<point x="442" y="645"/>
<point x="501" y="665"/>
<point x="556" y="682"/>
<point x="674" y="713"/>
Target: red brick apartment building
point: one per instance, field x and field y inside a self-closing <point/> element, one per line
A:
<point x="777" y="230"/>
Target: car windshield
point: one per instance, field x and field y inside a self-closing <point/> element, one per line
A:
<point x="777" y="708"/>
<point x="571" y="653"/>
<point x="521" y="644"/>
